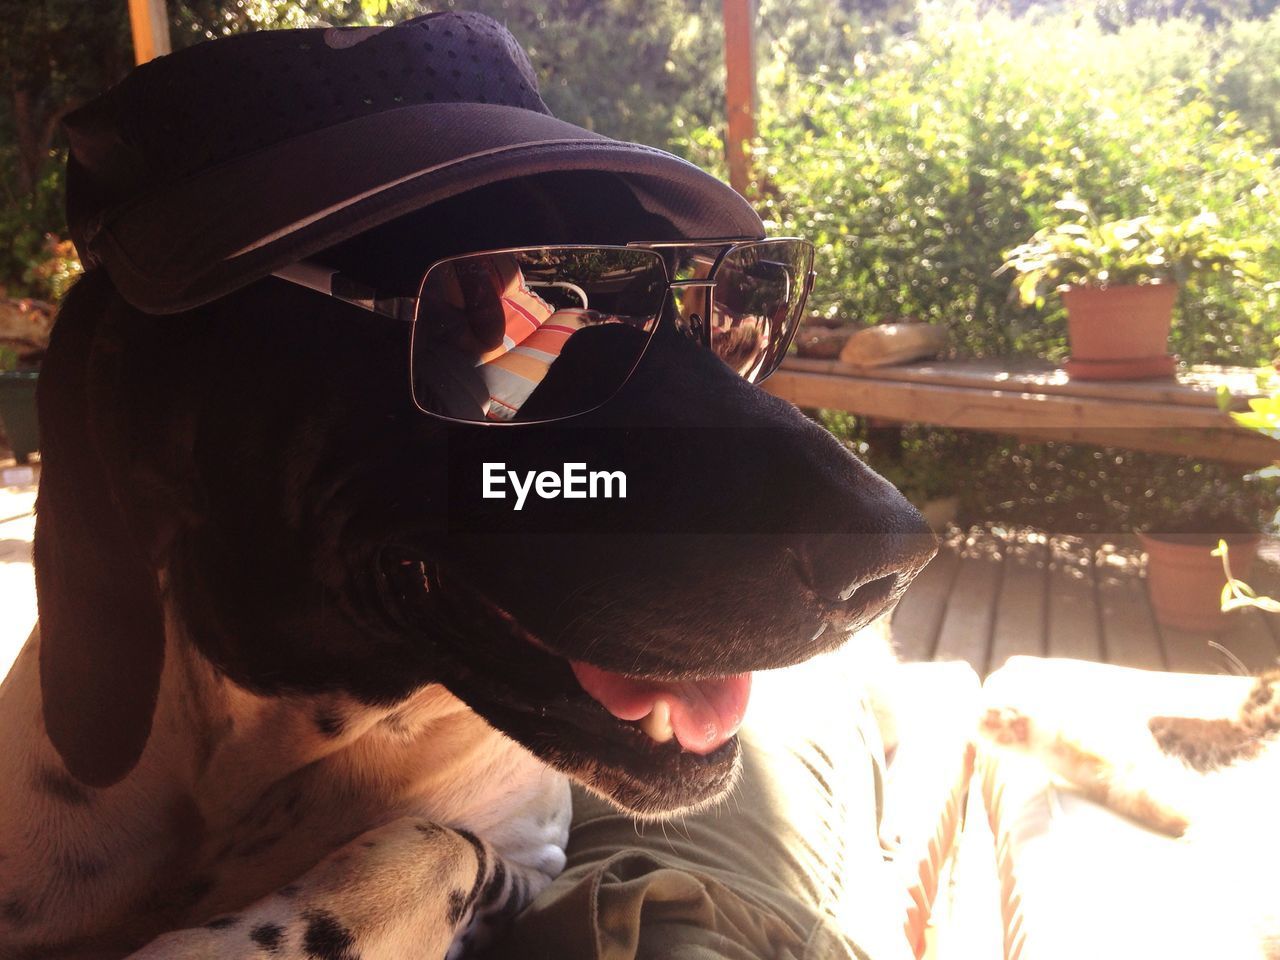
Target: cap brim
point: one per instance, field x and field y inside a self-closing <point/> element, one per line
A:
<point x="199" y="239"/>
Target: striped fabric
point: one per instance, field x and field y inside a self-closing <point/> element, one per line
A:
<point x="513" y="375"/>
<point x="532" y="338"/>
<point x="525" y="311"/>
<point x="492" y="290"/>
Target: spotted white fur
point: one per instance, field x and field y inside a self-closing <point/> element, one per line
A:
<point x="315" y="826"/>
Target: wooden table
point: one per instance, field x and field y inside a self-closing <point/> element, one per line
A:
<point x="1038" y="401"/>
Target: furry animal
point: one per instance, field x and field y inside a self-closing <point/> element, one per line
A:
<point x="298" y="690"/>
<point x="1208" y="745"/>
<point x="1209" y="781"/>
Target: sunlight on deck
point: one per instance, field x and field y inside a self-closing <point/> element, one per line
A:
<point x="17" y="584"/>
<point x="995" y="593"/>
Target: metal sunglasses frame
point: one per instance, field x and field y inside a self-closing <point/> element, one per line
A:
<point x="340" y="286"/>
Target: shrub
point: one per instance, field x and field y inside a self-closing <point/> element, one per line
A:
<point x="26" y="233"/>
<point x="1086" y="250"/>
<point x="1061" y="487"/>
<point x="915" y="169"/>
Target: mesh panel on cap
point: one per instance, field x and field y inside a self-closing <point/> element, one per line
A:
<point x="207" y="169"/>
<point x="225" y="99"/>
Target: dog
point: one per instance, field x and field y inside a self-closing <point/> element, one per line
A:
<point x="298" y="689"/>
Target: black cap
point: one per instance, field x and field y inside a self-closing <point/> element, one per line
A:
<point x="210" y="168"/>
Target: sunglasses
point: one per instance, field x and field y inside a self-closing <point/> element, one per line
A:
<point x="535" y="334"/>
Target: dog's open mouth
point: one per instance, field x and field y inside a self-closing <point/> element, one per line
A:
<point x="701" y="715"/>
<point x="655" y="745"/>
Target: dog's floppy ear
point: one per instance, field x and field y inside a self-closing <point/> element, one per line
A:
<point x="101" y="626"/>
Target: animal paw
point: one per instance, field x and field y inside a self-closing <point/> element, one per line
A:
<point x="1006" y="726"/>
<point x="510" y="890"/>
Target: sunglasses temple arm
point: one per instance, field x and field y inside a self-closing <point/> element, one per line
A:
<point x="332" y="283"/>
<point x="706" y="321"/>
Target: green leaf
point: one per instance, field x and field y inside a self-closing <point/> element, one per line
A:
<point x="1224" y="399"/>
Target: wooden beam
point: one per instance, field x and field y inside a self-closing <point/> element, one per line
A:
<point x="740" y="90"/>
<point x="1197" y="386"/>
<point x="1022" y="606"/>
<point x="150" y="22"/>
<point x="979" y="408"/>
<point x="965" y="633"/>
<point x="1159" y="427"/>
<point x="1073" y="627"/>
<point x="918" y="617"/>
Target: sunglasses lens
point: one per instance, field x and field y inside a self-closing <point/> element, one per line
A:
<point x="535" y="334"/>
<point x="759" y="295"/>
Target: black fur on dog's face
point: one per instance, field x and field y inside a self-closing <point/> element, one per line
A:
<point x="315" y="532"/>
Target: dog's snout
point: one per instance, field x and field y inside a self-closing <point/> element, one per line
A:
<point x="858" y="541"/>
<point x="864" y="568"/>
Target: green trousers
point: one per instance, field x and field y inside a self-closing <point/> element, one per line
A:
<point x="788" y="866"/>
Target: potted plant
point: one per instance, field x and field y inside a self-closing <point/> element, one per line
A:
<point x="25" y="326"/>
<point x="18" y="405"/>
<point x="1264" y="418"/>
<point x="1119" y="280"/>
<point x="1185" y="577"/>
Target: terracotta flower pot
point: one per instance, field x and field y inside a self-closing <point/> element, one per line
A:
<point x="1120" y="332"/>
<point x="1185" y="580"/>
<point x="18" y="412"/>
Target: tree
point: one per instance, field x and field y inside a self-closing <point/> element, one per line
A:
<point x="55" y="54"/>
<point x="642" y="70"/>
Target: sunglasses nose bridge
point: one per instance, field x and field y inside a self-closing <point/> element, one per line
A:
<point x="692" y="313"/>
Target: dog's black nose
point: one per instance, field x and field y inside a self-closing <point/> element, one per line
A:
<point x="863" y="542"/>
<point x="862" y="568"/>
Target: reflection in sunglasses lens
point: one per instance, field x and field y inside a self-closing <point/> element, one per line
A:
<point x="533" y="334"/>
<point x="757" y="304"/>
<point x="551" y="332"/>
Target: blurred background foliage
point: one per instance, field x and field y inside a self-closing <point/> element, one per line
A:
<point x="919" y="167"/>
<point x="645" y="70"/>
<point x="914" y="142"/>
<point x="1060" y="487"/>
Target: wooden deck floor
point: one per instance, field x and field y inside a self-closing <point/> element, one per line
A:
<point x="17" y="581"/>
<point x="992" y="593"/>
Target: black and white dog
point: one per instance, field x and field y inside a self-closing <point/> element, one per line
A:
<point x="298" y="687"/>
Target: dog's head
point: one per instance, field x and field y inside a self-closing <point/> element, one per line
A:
<point x="256" y="471"/>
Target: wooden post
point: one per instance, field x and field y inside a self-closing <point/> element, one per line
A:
<point x="150" y="22"/>
<point x="740" y="90"/>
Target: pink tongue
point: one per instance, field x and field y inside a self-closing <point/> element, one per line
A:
<point x="704" y="713"/>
